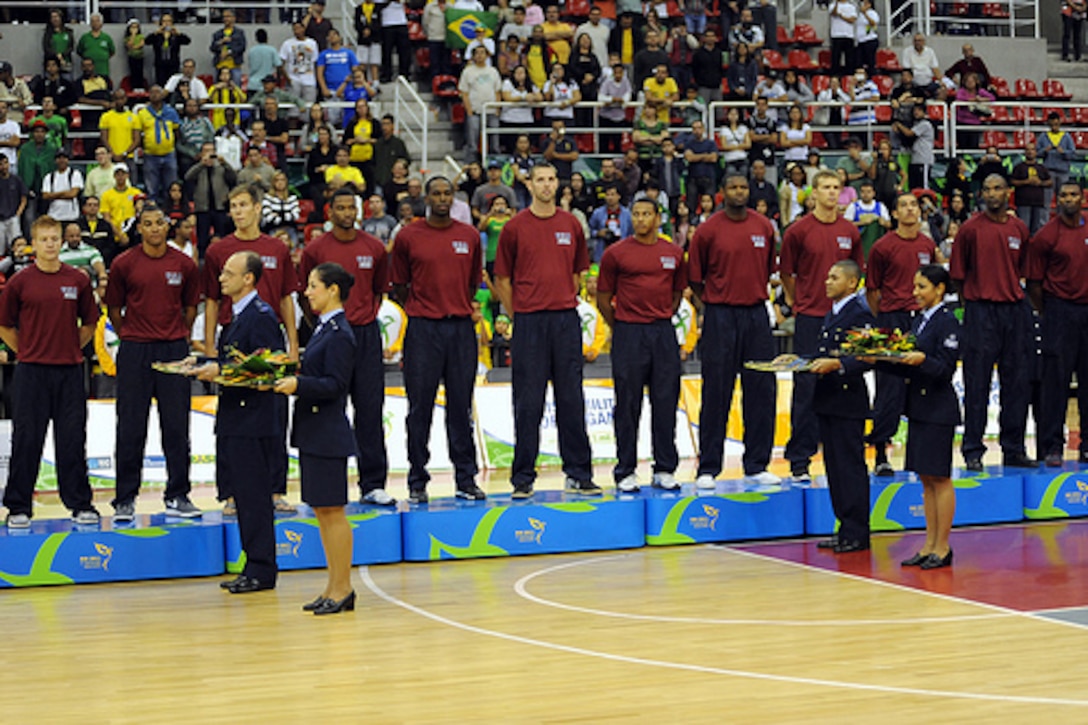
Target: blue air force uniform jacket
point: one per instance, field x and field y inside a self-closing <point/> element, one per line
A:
<point x="320" y="426"/>
<point x="245" y="412"/>
<point x="930" y="395"/>
<point x="843" y="394"/>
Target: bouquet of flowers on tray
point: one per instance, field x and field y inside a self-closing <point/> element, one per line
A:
<point x="875" y="342"/>
<point x="781" y="364"/>
<point x="258" y="370"/>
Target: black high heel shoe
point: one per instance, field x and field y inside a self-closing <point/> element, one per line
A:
<point x="347" y="604"/>
<point x="915" y="560"/>
<point x="311" y="606"/>
<point x="935" y="562"/>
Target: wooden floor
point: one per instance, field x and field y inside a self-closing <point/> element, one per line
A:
<point x="692" y="634"/>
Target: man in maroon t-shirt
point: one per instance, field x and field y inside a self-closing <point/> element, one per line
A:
<point x="364" y="257"/>
<point x="809" y="247"/>
<point x="277" y="287"/>
<point x="644" y="276"/>
<point x="1057" y="267"/>
<point x="47" y="315"/>
<point x="732" y="257"/>
<point x="889" y="288"/>
<point x="437" y="268"/>
<point x="987" y="264"/>
<point x="152" y="296"/>
<point x="542" y="254"/>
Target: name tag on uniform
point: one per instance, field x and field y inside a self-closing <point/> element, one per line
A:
<point x="173" y="279"/>
<point x="1014" y="242"/>
<point x="69" y="293"/>
<point x="923" y="258"/>
<point x="759" y="241"/>
<point x="270" y="262"/>
<point x="460" y="247"/>
<point x="952" y="342"/>
<point x="668" y="263"/>
<point x="366" y="262"/>
<point x="845" y="243"/>
<point x="563" y="239"/>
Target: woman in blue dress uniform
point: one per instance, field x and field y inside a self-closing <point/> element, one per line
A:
<point x="321" y="432"/>
<point x="933" y="410"/>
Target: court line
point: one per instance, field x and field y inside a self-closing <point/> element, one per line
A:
<point x="364" y="572"/>
<point x="521" y="587"/>
<point x="903" y="587"/>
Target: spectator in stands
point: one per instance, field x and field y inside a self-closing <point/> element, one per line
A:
<point x="178" y="205"/>
<point x="56" y="124"/>
<point x="257" y="171"/>
<point x="379" y="225"/>
<point x="319" y="157"/>
<point x="84" y="257"/>
<point x="521" y="163"/>
<point x="1030" y="179"/>
<point x="166" y="43"/>
<point x="258" y="139"/>
<point x="608" y="223"/>
<point x="831" y="115"/>
<point x="969" y="63"/>
<point x="387" y="149"/>
<point x="299" y="55"/>
<point x="120" y="130"/>
<point x="94" y="90"/>
<point x="969" y="116"/>
<point x="359" y="137"/>
<point x="51" y="83"/>
<point x="991" y="163"/>
<point x="96" y="46"/>
<point x="135" y="50"/>
<point x="647" y="136"/>
<point x="763" y="125"/>
<point x="625" y="41"/>
<point x="225" y="91"/>
<point x="344" y="170"/>
<point x="58" y="41"/>
<point x="661" y="91"/>
<point x="357" y="88"/>
<point x="795" y="136"/>
<point x="518" y="89"/>
<point x="742" y="74"/>
<point x="1058" y="152"/>
<point x="395" y="36"/>
<point x="118" y="203"/>
<point x="869" y="215"/>
<point x="197" y="89"/>
<point x="866" y="36"/>
<point x="13" y="202"/>
<point x="923" y="63"/>
<point x="61" y="189"/>
<point x="397" y="188"/>
<point x="864" y="94"/>
<point x="9" y="135"/>
<point x="562" y="91"/>
<point x="264" y="60"/>
<point x="211" y="180"/>
<point x="557" y="34"/>
<point x="158" y="130"/>
<point x="631" y="173"/>
<point x="793" y="196"/>
<point x="668" y="170"/>
<point x="680" y="46"/>
<point x="762" y="190"/>
<point x="598" y="33"/>
<point x="35" y="163"/>
<point x="194" y="130"/>
<point x="615" y="91"/>
<point x="921" y="147"/>
<point x="1073" y="12"/>
<point x="706" y="66"/>
<point x="797" y="90"/>
<point x="100" y="174"/>
<point x="538" y="59"/>
<point x="228" y="47"/>
<point x="701" y="156"/>
<point x="509" y="56"/>
<point x="887" y="177"/>
<point x="844" y="15"/>
<point x="479" y="84"/>
<point x="770" y="87"/>
<point x="585" y="70"/>
<point x="316" y="25"/>
<point x="694" y="15"/>
<point x="746" y="31"/>
<point x="97" y="231"/>
<point x="957" y="179"/>
<point x="280" y="209"/>
<point x="902" y="100"/>
<point x="230" y="139"/>
<point x="735" y="141"/>
<point x="648" y="59"/>
<point x="483" y="195"/>
<point x="855" y="163"/>
<point x="607" y="177"/>
<point x="14" y="91"/>
<point x="434" y="27"/>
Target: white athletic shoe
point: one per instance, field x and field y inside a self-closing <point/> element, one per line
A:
<point x="705" y="482"/>
<point x="763" y="478"/>
<point x="666" y="481"/>
<point x="628" y="484"/>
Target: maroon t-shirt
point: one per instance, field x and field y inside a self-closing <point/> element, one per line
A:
<point x="541" y="257"/>
<point x="988" y="257"/>
<point x="643" y="278"/>
<point x="278" y="280"/>
<point x="365" y="259"/>
<point x="442" y="266"/>
<point x="893" y="261"/>
<point x="809" y="248"/>
<point x="47" y="309"/>
<point x="1058" y="257"/>
<point x="733" y="260"/>
<point x="154" y="292"/>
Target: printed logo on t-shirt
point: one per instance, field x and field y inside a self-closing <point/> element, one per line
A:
<point x="366" y="262"/>
<point x="563" y="239"/>
<point x="845" y="243"/>
<point x="1014" y="242"/>
<point x="69" y="293"/>
<point x="668" y="263"/>
<point x="759" y="241"/>
<point x="460" y="247"/>
<point x="270" y="262"/>
<point x="951" y="342"/>
<point x="923" y="258"/>
<point x="173" y="279"/>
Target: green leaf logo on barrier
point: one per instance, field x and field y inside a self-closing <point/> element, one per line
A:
<point x="670" y="533"/>
<point x="478" y="546"/>
<point x="41" y="571"/>
<point x="1047" y="509"/>
<point x="878" y="519"/>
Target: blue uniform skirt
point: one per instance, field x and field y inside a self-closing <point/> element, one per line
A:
<point x="929" y="448"/>
<point x="324" y="480"/>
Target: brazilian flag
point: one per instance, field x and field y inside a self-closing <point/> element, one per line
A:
<point x="465" y="26"/>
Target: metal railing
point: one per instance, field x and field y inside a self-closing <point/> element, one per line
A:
<point x="412" y="115"/>
<point x="1029" y="123"/>
<point x="1017" y="18"/>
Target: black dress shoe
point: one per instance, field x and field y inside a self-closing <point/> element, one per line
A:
<point x="1083" y="458"/>
<point x="347" y="604"/>
<point x="845" y="547"/>
<point x="311" y="606"/>
<point x="248" y="584"/>
<point x="936" y="562"/>
<point x="417" y="495"/>
<point x="1054" y="460"/>
<point x="828" y="543"/>
<point x="1019" y="460"/>
<point x="232" y="582"/>
<point x="974" y="464"/>
<point x="884" y="469"/>
<point x="915" y="560"/>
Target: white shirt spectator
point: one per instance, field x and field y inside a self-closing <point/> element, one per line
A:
<point x="197" y="89"/>
<point x="520" y="115"/>
<point x="65" y="210"/>
<point x="394" y="14"/>
<point x="921" y="63"/>
<point x="563" y="91"/>
<point x="866" y="91"/>
<point x="867" y="25"/>
<point x="8" y="130"/>
<point x="468" y="5"/>
<point x="481" y="85"/>
<point x="859" y="208"/>
<point x="599" y="35"/>
<point x="611" y="89"/>
<point x="299" y="59"/>
<point x="844" y="13"/>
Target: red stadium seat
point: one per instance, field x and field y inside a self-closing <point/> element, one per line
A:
<point x="1080" y="139"/>
<point x="1022" y="138"/>
<point x="305" y="208"/>
<point x="308" y="230"/>
<point x="445" y="87"/>
<point x="672" y="9"/>
<point x="1043" y="114"/>
<point x="578" y="8"/>
<point x="584" y="141"/>
<point x="806" y="35"/>
<point x="818" y="140"/>
<point x="415" y="31"/>
<point x="994" y="138"/>
<point x="457" y="113"/>
<point x="1054" y="89"/>
<point x="423" y="57"/>
<point x="887" y="60"/>
<point x="773" y="60"/>
<point x="625" y="141"/>
<point x="76" y="118"/>
<point x="820" y="84"/>
<point x="936" y="111"/>
<point x="884" y="83"/>
<point x="800" y="60"/>
<point x="823" y="59"/>
<point x="1026" y="90"/>
<point x="783" y="36"/>
<point x="1001" y="87"/>
<point x="1080" y="115"/>
<point x="883" y="114"/>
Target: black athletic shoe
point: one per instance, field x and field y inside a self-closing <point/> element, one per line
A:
<point x="585" y="488"/>
<point x="471" y="494"/>
<point x="418" y="495"/>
